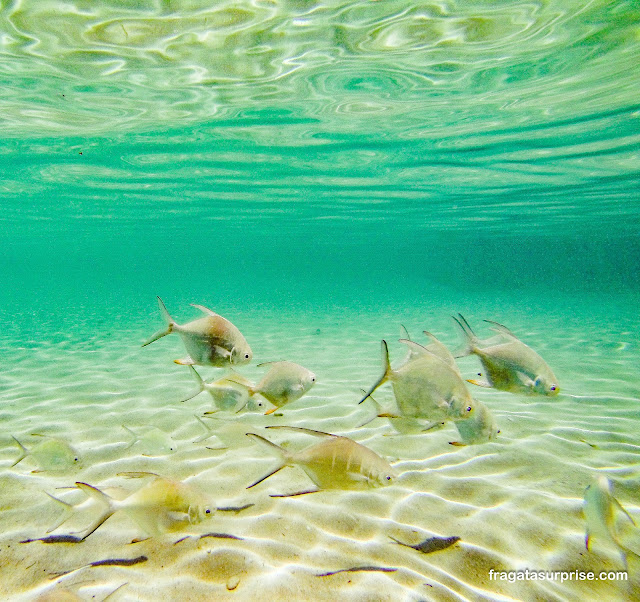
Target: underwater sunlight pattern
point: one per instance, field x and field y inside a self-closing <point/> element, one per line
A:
<point x="212" y="215"/>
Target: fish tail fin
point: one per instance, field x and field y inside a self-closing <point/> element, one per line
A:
<point x="134" y="439"/>
<point x="67" y="512"/>
<point x="471" y="340"/>
<point x="199" y="384"/>
<point x="24" y="452"/>
<point x="171" y="323"/>
<point x="284" y="455"/>
<point x="103" y="499"/>
<point x="386" y="366"/>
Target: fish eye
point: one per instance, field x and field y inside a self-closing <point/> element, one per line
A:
<point x="553" y="387"/>
<point x="498" y="431"/>
<point x="75" y="459"/>
<point x="207" y="511"/>
<point x="388" y="478"/>
<point x="469" y="408"/>
<point x="246" y="356"/>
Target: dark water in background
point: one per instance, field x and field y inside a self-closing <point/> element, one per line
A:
<point x="305" y="152"/>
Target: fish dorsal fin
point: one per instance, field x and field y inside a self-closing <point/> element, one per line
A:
<point x="501" y="329"/>
<point x="404" y="333"/>
<point x="205" y="310"/>
<point x="301" y="429"/>
<point x="416" y="347"/>
<point x="432" y="337"/>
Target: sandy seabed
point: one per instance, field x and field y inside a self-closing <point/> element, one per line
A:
<point x="515" y="503"/>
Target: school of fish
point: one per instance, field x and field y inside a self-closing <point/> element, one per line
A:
<point x="429" y="393"/>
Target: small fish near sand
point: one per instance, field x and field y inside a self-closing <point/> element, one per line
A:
<point x="480" y="428"/>
<point x="105" y="562"/>
<point x="360" y="569"/>
<point x="601" y="511"/>
<point x="209" y="341"/>
<point x="228" y="393"/>
<point x="426" y="387"/>
<point x="336" y="462"/>
<point x="431" y="544"/>
<point x="284" y="383"/>
<point x="51" y="454"/>
<point x="161" y="506"/>
<point x="510" y="365"/>
<point x="151" y="442"/>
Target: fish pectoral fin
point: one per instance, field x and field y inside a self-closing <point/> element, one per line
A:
<point x="457" y="444"/>
<point x="479" y="383"/>
<point x="185" y="361"/>
<point x="444" y="404"/>
<point x="433" y="426"/>
<point x="526" y="380"/>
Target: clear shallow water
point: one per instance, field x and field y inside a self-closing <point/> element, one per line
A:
<point x="331" y="167"/>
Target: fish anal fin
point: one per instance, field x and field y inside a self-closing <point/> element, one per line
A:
<point x="185" y="361"/>
<point x="301" y="429"/>
<point x="136" y="474"/>
<point x="298" y="493"/>
<point x="479" y="383"/>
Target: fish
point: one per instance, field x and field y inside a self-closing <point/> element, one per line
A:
<point x="358" y="569"/>
<point x="431" y="544"/>
<point x="510" y="365"/>
<point x="336" y="462"/>
<point x="152" y="442"/>
<point x="480" y="428"/>
<point x="105" y="562"/>
<point x="55" y="539"/>
<point x="51" y="454"/>
<point x="209" y="341"/>
<point x="426" y="387"/>
<point x="221" y="536"/>
<point x="160" y="506"/>
<point x="283" y="383"/>
<point x="227" y="393"/>
<point x="600" y="510"/>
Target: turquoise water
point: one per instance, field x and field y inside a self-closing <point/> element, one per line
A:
<point x="320" y="173"/>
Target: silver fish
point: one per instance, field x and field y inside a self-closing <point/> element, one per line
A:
<point x="336" y="462"/>
<point x="600" y="509"/>
<point x="161" y="505"/>
<point x="209" y="341"/>
<point x="510" y="365"/>
<point x="283" y="383"/>
<point x="51" y="454"/>
<point x="480" y="428"/>
<point x="426" y="387"/>
<point x="227" y="393"/>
